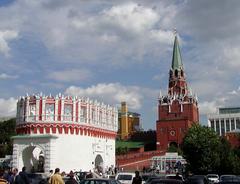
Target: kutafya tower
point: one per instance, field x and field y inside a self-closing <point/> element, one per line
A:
<point x="178" y="110"/>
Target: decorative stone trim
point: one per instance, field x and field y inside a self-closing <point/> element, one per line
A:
<point x="60" y="128"/>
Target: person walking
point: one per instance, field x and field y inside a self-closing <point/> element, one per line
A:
<point x="56" y="178"/>
<point x="22" y="177"/>
<point x="137" y="179"/>
<point x="71" y="180"/>
<point x="49" y="174"/>
<point x="13" y="176"/>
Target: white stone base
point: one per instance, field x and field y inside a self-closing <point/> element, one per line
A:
<point x="67" y="152"/>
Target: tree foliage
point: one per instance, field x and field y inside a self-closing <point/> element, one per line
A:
<point x="206" y="152"/>
<point x="201" y="149"/>
<point x="122" y="150"/>
<point x="7" y="130"/>
<point x="230" y="161"/>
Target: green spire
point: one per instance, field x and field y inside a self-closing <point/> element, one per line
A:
<point x="176" y="59"/>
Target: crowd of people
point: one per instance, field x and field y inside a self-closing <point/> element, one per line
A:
<point x="15" y="177"/>
<point x="54" y="177"/>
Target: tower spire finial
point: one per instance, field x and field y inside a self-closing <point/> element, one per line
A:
<point x="175" y="31"/>
<point x="176" y="58"/>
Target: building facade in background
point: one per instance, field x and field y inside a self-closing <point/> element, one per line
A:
<point x="178" y="109"/>
<point x="128" y="122"/>
<point x="71" y="133"/>
<point x="226" y="120"/>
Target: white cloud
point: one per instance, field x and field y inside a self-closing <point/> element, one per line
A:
<point x="109" y="38"/>
<point x="6" y="76"/>
<point x="52" y="85"/>
<point x="8" y="107"/>
<point x="231" y="98"/>
<point x="112" y="93"/>
<point x="127" y="30"/>
<point x="207" y="107"/>
<point x="222" y="99"/>
<point x="159" y="77"/>
<point x="132" y="17"/>
<point x="232" y="57"/>
<point x="70" y="75"/>
<point x="5" y="37"/>
<point x="162" y="36"/>
<point x="234" y="92"/>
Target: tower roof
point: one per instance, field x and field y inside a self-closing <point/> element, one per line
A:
<point x="176" y="59"/>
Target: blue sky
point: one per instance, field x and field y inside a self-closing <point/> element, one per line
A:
<point x="119" y="51"/>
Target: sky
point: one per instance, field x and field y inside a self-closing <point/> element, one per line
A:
<point x="115" y="51"/>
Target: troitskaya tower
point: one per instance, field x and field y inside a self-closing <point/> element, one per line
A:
<point x="177" y="110"/>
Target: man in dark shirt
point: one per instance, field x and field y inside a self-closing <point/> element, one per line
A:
<point x="137" y="179"/>
<point x="22" y="178"/>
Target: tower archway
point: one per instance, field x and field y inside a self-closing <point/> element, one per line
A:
<point x="173" y="144"/>
<point x="99" y="163"/>
<point x="33" y="159"/>
<point x="172" y="147"/>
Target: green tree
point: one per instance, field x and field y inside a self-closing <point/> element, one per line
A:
<point x="122" y="150"/>
<point x="201" y="149"/>
<point x="229" y="159"/>
<point x="226" y="157"/>
<point x="7" y="130"/>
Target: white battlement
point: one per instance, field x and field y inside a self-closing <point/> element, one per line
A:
<point x="66" y="109"/>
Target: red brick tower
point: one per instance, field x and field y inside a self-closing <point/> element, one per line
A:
<point x="178" y="110"/>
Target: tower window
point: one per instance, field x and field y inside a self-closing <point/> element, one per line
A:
<point x="68" y="112"/>
<point x="49" y="111"/>
<point x="165" y="100"/>
<point x="176" y="73"/>
<point x="181" y="73"/>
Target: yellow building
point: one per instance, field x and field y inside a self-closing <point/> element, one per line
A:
<point x="128" y="122"/>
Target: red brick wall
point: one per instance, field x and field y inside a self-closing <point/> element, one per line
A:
<point x="234" y="139"/>
<point x="136" y="161"/>
<point x="173" y="125"/>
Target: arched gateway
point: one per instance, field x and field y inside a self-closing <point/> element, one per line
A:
<point x="99" y="163"/>
<point x="65" y="132"/>
<point x="33" y="158"/>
